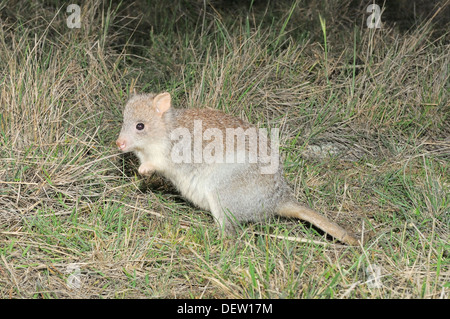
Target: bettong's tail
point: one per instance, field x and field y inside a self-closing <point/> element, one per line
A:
<point x="296" y="210"/>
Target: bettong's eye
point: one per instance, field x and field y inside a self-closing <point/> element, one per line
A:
<point x="140" y="126"/>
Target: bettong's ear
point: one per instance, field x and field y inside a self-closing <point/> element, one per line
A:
<point x="162" y="102"/>
<point x="132" y="91"/>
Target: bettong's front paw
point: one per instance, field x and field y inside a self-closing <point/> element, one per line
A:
<point x="146" y="169"/>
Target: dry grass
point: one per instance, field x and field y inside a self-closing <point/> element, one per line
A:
<point x="364" y="115"/>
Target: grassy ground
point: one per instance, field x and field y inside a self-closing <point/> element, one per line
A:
<point x="364" y="115"/>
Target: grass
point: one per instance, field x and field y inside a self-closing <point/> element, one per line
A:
<point x="364" y="118"/>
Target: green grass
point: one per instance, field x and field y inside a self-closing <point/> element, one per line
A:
<point x="364" y="119"/>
